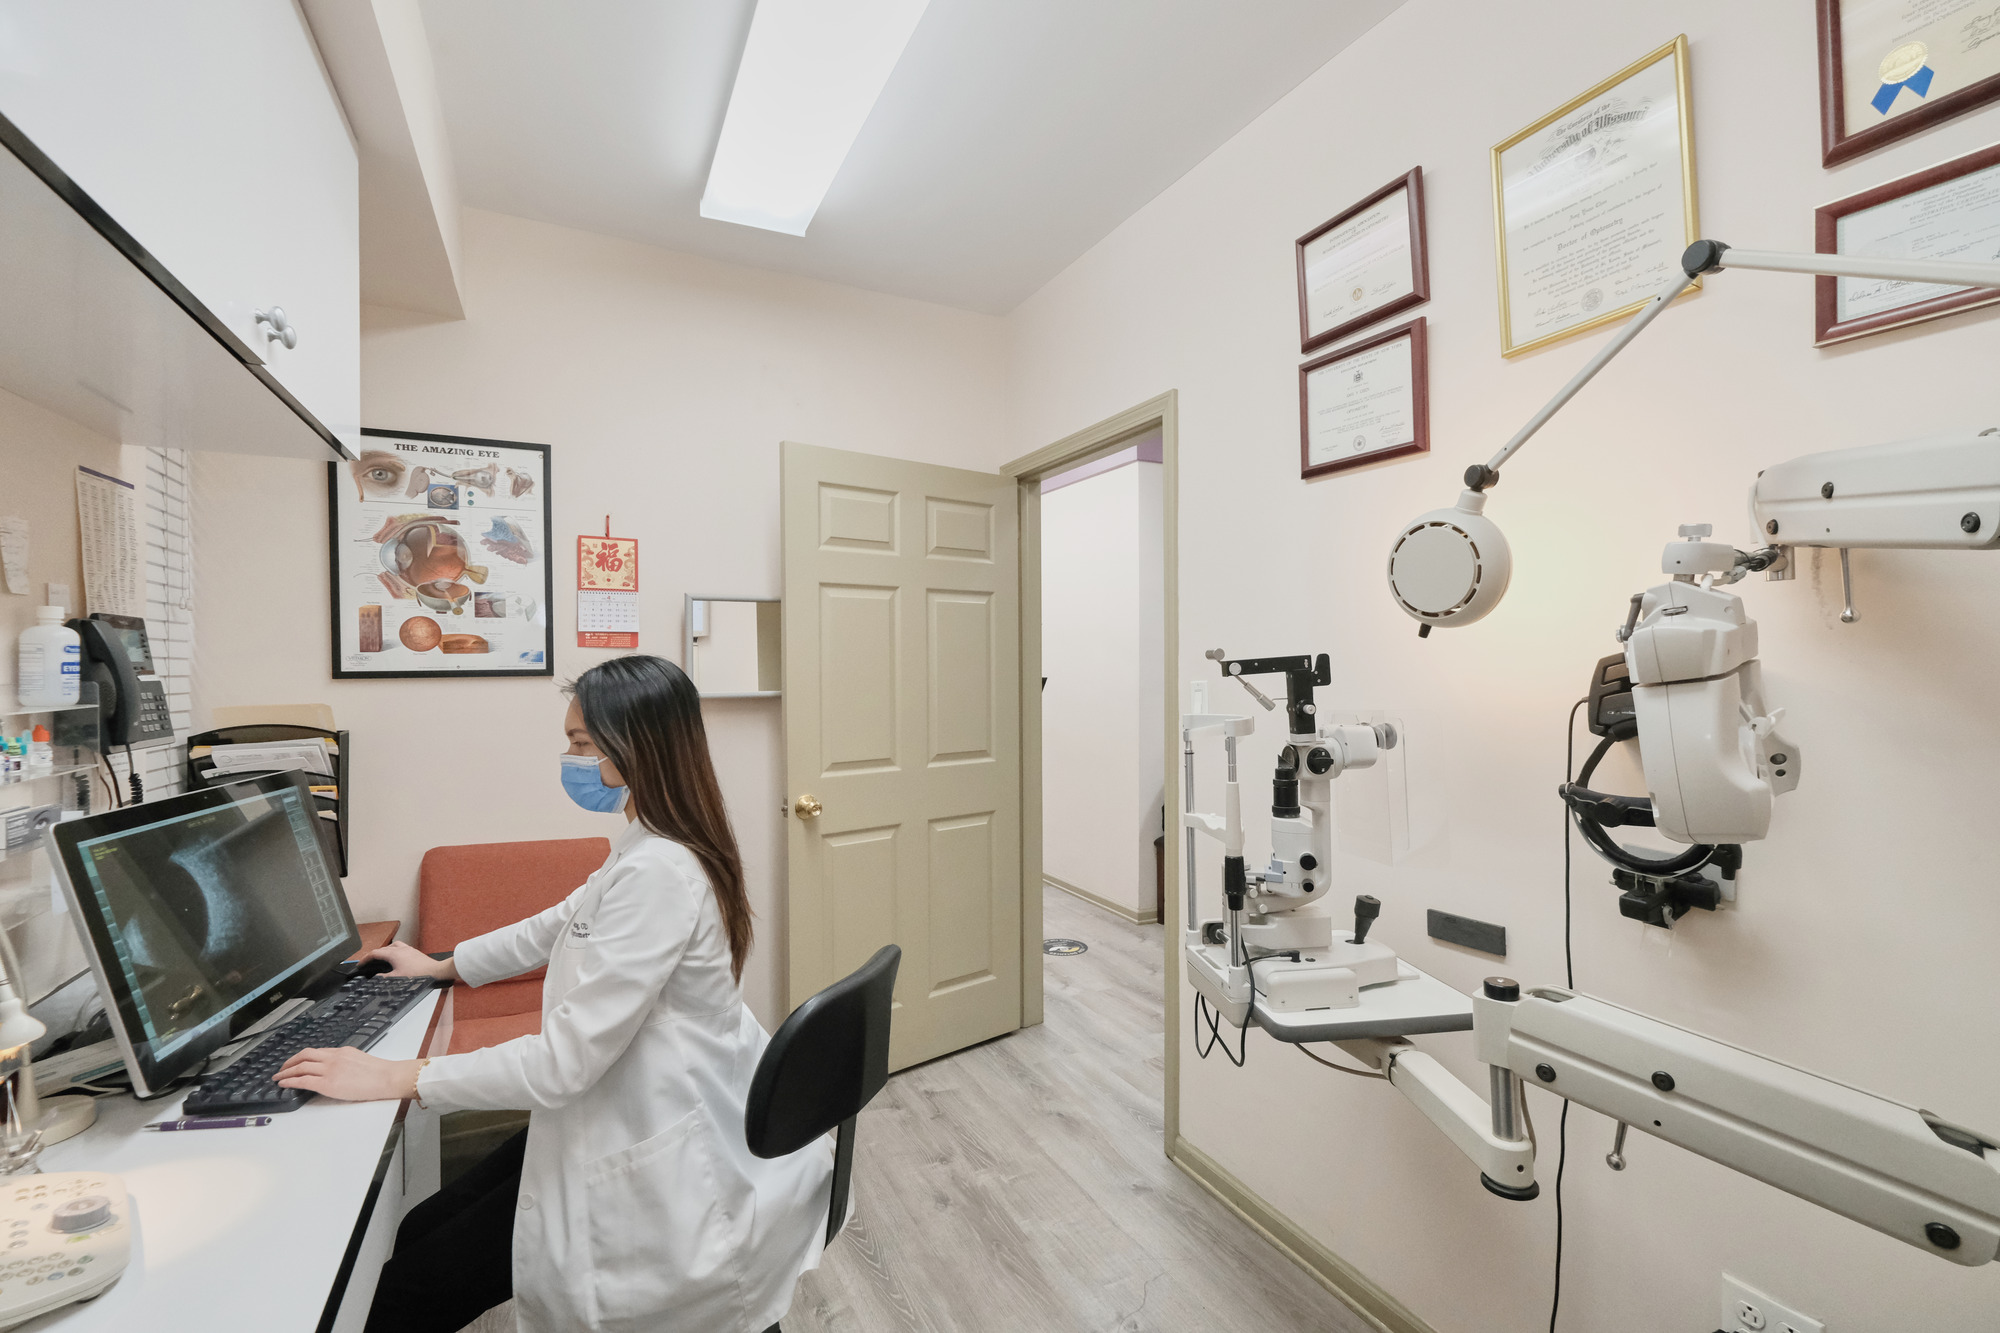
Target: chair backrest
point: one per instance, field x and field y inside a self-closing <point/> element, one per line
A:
<point x="467" y="891"/>
<point x="825" y="1062"/>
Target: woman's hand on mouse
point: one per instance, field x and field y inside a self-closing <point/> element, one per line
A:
<point x="406" y="961"/>
<point x="350" y="1075"/>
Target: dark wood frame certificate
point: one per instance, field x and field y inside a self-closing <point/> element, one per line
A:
<point x="1949" y="211"/>
<point x="1893" y="68"/>
<point x="1366" y="402"/>
<point x="1364" y="264"/>
<point x="1594" y="203"/>
<point x="440" y="562"/>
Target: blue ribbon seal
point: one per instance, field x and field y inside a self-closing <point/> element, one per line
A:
<point x="1918" y="83"/>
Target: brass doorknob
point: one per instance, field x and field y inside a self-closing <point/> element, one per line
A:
<point x="806" y="807"/>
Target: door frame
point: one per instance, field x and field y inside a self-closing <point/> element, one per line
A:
<point x="1093" y="442"/>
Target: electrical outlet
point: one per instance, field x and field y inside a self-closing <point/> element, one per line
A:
<point x="1748" y="1310"/>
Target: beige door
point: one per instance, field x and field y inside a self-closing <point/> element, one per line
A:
<point x="902" y="722"/>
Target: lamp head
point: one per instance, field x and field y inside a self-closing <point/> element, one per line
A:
<point x="1451" y="566"/>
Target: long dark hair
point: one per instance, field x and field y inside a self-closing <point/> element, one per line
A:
<point x="644" y="715"/>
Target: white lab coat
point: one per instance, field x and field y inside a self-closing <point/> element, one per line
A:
<point x="641" y="1207"/>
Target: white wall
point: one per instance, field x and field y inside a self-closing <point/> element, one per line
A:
<point x="1863" y="946"/>
<point x="1101" y="758"/>
<point x="664" y="384"/>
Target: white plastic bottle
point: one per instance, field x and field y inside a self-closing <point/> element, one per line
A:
<point x="51" y="662"/>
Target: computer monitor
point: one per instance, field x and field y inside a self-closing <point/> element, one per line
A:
<point x="201" y="914"/>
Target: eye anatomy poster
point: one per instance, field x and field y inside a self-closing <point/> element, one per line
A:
<point x="440" y="561"/>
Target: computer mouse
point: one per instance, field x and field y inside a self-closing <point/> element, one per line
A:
<point x="374" y="967"/>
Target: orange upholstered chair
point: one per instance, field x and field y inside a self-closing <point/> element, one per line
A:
<point x="467" y="891"/>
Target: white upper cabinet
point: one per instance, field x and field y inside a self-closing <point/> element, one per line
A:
<point x="208" y="130"/>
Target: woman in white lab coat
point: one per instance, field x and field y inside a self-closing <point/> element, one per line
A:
<point x="638" y="1205"/>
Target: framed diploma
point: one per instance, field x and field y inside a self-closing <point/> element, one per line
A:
<point x="1365" y="402"/>
<point x="440" y="558"/>
<point x="1949" y="211"/>
<point x="1890" y="68"/>
<point x="1364" y="264"/>
<point x="1594" y="203"/>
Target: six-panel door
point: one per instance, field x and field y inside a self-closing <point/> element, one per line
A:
<point x="902" y="719"/>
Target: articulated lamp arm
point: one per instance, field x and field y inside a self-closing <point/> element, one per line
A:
<point x="1451" y="567"/>
<point x="1713" y="257"/>
<point x="1907" y="1173"/>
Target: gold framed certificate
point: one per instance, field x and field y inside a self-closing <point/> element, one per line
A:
<point x="1364" y="264"/>
<point x="1949" y="211"/>
<point x="1891" y="68"/>
<point x="1366" y="402"/>
<point x="1594" y="203"/>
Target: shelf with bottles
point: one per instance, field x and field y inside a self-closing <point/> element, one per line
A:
<point x="43" y="744"/>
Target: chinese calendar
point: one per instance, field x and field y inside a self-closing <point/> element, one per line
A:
<point x="607" y="592"/>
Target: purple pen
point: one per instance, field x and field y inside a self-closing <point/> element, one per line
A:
<point x="219" y="1122"/>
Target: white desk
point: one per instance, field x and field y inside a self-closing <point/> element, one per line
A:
<point x="281" y="1229"/>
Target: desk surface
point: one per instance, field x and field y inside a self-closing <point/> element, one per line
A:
<point x="236" y="1228"/>
<point x="1417" y="1003"/>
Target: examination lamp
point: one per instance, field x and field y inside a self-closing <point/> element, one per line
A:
<point x="1451" y="566"/>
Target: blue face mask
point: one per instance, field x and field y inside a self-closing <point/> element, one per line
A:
<point x="584" y="782"/>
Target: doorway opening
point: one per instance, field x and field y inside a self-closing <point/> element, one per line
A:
<point x="1103" y="683"/>
<point x="1099" y="739"/>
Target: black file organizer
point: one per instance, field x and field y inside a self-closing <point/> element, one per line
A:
<point x="333" y="832"/>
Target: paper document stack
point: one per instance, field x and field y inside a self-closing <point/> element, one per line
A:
<point x="313" y="755"/>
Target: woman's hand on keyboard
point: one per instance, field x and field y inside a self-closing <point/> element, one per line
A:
<point x="405" y="961"/>
<point x="350" y="1075"/>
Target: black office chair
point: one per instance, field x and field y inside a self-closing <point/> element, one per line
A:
<point x="826" y="1062"/>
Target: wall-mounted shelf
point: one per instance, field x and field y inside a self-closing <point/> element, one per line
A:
<point x="15" y="708"/>
<point x="74" y="735"/>
<point x="732" y="647"/>
<point x="95" y="329"/>
<point x="44" y="774"/>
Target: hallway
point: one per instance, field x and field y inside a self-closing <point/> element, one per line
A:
<point x="1020" y="1185"/>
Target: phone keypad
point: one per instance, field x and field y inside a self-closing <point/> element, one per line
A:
<point x="154" y="717"/>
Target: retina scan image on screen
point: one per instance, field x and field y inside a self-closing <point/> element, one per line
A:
<point x="211" y="909"/>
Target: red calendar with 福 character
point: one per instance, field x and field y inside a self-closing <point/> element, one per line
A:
<point x="607" y="592"/>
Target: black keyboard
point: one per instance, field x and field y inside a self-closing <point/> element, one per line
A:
<point x="355" y="1015"/>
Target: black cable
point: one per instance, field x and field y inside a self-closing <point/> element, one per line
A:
<point x="1345" y="1069"/>
<point x="110" y="776"/>
<point x="1569" y="766"/>
<point x="1679" y="863"/>
<point x="1204" y="1012"/>
<point x="1562" y="1160"/>
<point x="1250" y="966"/>
<point x="1213" y="1017"/>
<point x="1569" y="980"/>
<point x="132" y="776"/>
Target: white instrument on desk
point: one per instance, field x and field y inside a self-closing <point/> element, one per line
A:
<point x="64" y="1237"/>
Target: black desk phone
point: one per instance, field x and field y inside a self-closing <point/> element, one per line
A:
<point x="118" y="658"/>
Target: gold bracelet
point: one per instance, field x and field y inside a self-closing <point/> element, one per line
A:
<point x="415" y="1078"/>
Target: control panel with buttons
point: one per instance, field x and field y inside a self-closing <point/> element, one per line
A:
<point x="64" y="1237"/>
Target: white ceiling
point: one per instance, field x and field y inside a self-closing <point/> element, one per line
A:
<point x="1013" y="135"/>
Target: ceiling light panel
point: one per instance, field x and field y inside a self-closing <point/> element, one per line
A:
<point x="811" y="72"/>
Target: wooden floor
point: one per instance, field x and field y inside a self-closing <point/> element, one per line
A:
<point x="1021" y="1185"/>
